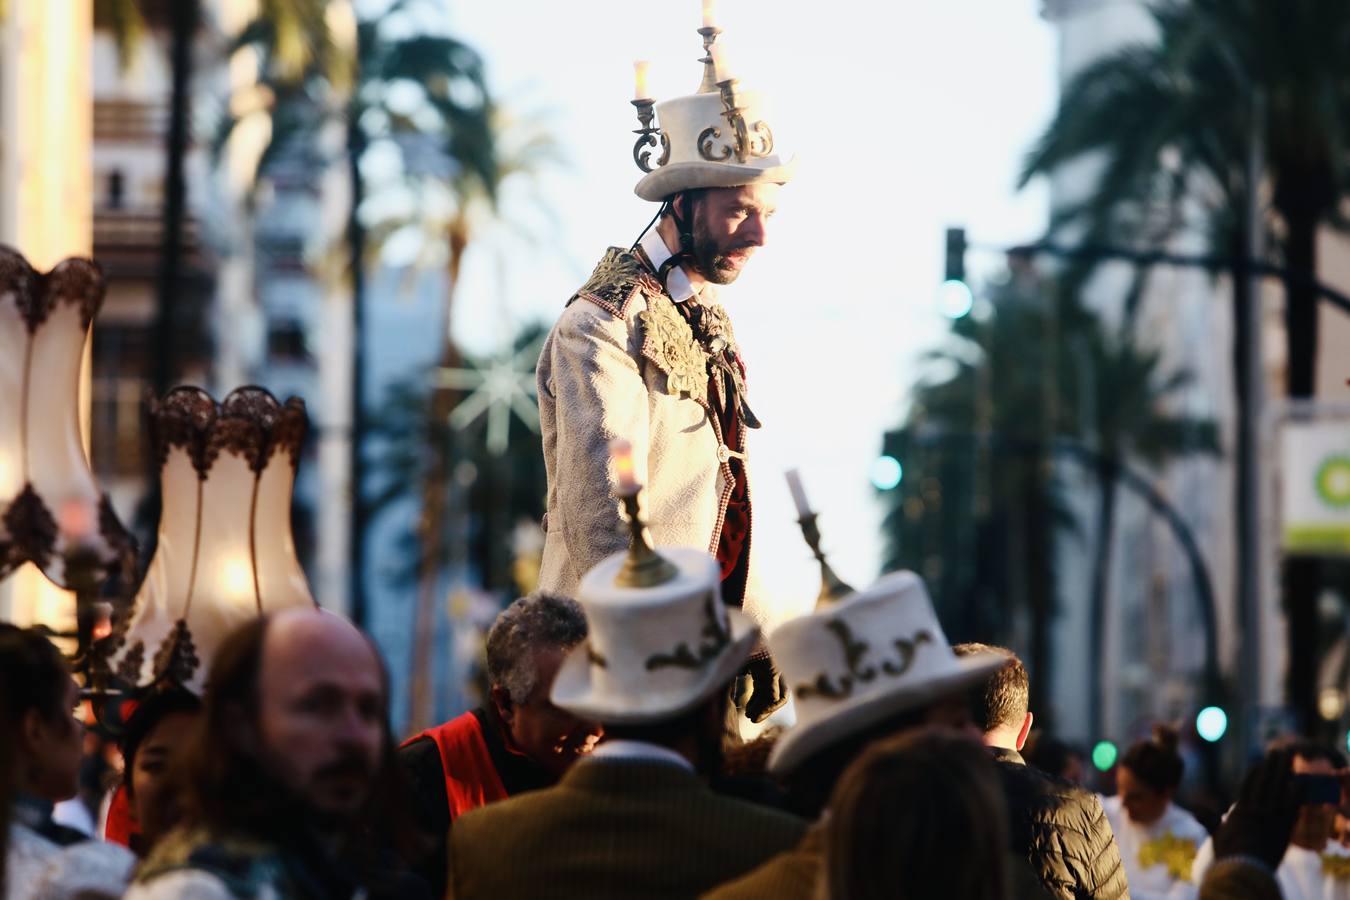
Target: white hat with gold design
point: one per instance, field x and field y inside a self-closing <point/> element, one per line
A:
<point x="718" y="137"/>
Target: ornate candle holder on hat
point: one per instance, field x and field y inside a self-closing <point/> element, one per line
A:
<point x="832" y="587"/>
<point x="648" y="137"/>
<point x="660" y="641"/>
<point x="690" y="129"/>
<point x="643" y="566"/>
<point x="747" y="140"/>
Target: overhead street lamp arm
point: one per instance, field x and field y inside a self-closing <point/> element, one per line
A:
<point x="1207" y="262"/>
<point x="1085" y="455"/>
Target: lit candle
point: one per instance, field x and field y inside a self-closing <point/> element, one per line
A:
<point x="75" y="519"/>
<point x="103" y="622"/>
<point x="709" y="7"/>
<point x="640" y="80"/>
<point x="794" y="480"/>
<point x="622" y="453"/>
<point x="721" y="69"/>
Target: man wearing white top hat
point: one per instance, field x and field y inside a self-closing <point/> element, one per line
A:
<point x="645" y="352"/>
<point x="872" y="665"/>
<point x="635" y="817"/>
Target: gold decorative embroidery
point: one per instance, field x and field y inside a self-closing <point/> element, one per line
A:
<point x="618" y="278"/>
<point x="1338" y="867"/>
<point x="854" y="651"/>
<point x="595" y="658"/>
<point x="718" y="636"/>
<point x="668" y="341"/>
<point x="1177" y="854"/>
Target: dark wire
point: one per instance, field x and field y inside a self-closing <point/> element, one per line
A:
<point x="659" y="212"/>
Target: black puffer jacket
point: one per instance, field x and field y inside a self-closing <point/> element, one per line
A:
<point x="1062" y="831"/>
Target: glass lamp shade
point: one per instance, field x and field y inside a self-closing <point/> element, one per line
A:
<point x="52" y="512"/>
<point x="225" y="551"/>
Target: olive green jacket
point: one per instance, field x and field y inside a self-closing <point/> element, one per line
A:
<point x="613" y="829"/>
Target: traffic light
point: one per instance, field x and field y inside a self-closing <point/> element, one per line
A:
<point x="956" y="255"/>
<point x="1211" y="723"/>
<point x="1104" y="755"/>
<point x="955" y="298"/>
<point x="886" y="473"/>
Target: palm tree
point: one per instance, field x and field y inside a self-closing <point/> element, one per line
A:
<point x="1122" y="418"/>
<point x="977" y="446"/>
<point x="457" y="215"/>
<point x="1173" y="123"/>
<point x="963" y="499"/>
<point x="310" y="79"/>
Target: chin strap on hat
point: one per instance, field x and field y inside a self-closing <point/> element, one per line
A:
<point x="685" y="228"/>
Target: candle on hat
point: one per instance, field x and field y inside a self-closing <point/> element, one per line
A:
<point x="794" y="480"/>
<point x="709" y="6"/>
<point x="721" y="67"/>
<point x="640" y="91"/>
<point x="622" y="453"/>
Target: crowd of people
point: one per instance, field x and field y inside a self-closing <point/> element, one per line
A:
<point x="631" y="744"/>
<point x="605" y="762"/>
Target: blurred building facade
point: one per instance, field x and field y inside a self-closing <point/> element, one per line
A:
<point x="1155" y="650"/>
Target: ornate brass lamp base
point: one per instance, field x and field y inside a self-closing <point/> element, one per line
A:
<point x="644" y="567"/>
<point x="832" y="587"/>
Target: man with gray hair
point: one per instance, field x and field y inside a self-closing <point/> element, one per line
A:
<point x="518" y="741"/>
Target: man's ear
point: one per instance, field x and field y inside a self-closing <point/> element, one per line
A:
<point x="501" y="699"/>
<point x="1024" y="731"/>
<point x="33" y="733"/>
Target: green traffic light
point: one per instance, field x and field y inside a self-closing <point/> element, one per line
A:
<point x="1104" y="755"/>
<point x="886" y="473"/>
<point x="955" y="299"/>
<point x="1211" y="723"/>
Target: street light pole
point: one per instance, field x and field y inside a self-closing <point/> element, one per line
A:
<point x="1248" y="500"/>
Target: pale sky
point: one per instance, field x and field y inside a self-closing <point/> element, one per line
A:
<point x="907" y="117"/>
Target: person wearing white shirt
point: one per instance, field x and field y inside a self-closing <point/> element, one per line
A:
<point x="1158" y="840"/>
<point x="1314" y="866"/>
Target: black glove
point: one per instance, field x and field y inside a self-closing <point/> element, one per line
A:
<point x="1262" y="820"/>
<point x="760" y="689"/>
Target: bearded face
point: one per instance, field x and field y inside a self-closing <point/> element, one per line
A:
<point x="728" y="225"/>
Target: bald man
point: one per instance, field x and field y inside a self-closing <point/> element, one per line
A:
<point x="290" y="786"/>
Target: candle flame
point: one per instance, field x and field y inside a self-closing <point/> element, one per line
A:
<point x="621" y="452"/>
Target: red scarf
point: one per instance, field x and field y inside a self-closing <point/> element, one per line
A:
<point x="471" y="779"/>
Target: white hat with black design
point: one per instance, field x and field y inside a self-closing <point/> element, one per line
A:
<point x="652" y="652"/>
<point x="851" y="665"/>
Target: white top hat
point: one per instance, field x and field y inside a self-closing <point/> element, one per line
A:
<point x="875" y="654"/>
<point x="653" y="653"/>
<point x="702" y="147"/>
